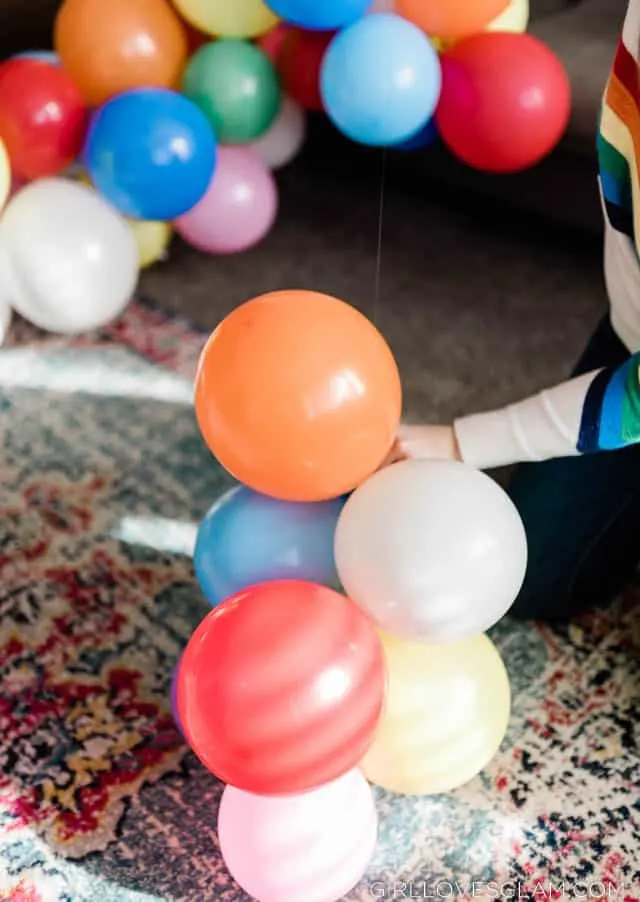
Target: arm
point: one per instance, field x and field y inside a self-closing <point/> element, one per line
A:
<point x="599" y="411"/>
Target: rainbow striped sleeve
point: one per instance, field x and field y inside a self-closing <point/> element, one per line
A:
<point x="618" y="140"/>
<point x="611" y="411"/>
<point x="598" y="411"/>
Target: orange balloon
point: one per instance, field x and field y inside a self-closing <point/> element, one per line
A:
<point x="110" y="46"/>
<point x="298" y="396"/>
<point x="451" y="19"/>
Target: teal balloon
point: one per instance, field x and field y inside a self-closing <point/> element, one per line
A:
<point x="247" y="538"/>
<point x="236" y="86"/>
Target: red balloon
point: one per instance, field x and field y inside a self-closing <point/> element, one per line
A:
<point x="271" y="42"/>
<point x="505" y="101"/>
<point x="299" y="62"/>
<point x="281" y="687"/>
<point x="43" y="118"/>
<point x="195" y="39"/>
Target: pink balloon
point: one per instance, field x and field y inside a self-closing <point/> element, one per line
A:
<point x="238" y="209"/>
<point x="314" y="847"/>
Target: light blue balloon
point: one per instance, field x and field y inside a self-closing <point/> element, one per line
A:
<point x="319" y="15"/>
<point x="248" y="538"/>
<point x="42" y="56"/>
<point x="380" y="80"/>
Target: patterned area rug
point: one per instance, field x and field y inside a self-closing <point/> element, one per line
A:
<point x="104" y="480"/>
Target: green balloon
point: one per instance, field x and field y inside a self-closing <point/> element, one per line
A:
<point x="237" y="88"/>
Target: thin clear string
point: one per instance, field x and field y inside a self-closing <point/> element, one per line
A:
<point x="378" y="268"/>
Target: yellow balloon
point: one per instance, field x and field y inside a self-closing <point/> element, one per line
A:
<point x="5" y="175"/>
<point x="152" y="238"/>
<point x="228" y="18"/>
<point x="446" y="714"/>
<point x="514" y="18"/>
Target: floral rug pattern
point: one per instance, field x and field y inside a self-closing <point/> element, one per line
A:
<point x="104" y="481"/>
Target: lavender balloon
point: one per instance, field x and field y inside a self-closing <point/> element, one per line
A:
<point x="238" y="209"/>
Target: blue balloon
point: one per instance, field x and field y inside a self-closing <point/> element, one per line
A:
<point x="151" y="153"/>
<point x="426" y="136"/>
<point x="380" y="80"/>
<point x="248" y="538"/>
<point x="42" y="56"/>
<point x="320" y="15"/>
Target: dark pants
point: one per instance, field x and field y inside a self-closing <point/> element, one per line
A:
<point x="582" y="516"/>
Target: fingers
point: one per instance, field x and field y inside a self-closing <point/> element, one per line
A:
<point x="427" y="443"/>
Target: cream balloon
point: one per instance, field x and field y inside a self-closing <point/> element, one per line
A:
<point x="446" y="715"/>
<point x="152" y="240"/>
<point x="432" y="550"/>
<point x="68" y="259"/>
<point x="6" y="180"/>
<point x="283" y="141"/>
<point x="514" y="18"/>
<point x="228" y="18"/>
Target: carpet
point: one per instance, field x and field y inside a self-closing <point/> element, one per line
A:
<point x="104" y="480"/>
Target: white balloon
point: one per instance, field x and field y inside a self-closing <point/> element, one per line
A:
<point x="68" y="260"/>
<point x="433" y="550"/>
<point x="6" y="313"/>
<point x="283" y="141"/>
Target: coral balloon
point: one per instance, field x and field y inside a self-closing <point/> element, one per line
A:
<point x="228" y="18"/>
<point x="432" y="550"/>
<point x="112" y="47"/>
<point x="238" y="209"/>
<point x="315" y="846"/>
<point x="505" y="101"/>
<point x="43" y="118"/>
<point x="327" y="15"/>
<point x="5" y="175"/>
<point x="514" y="18"/>
<point x="281" y="687"/>
<point x="298" y="396"/>
<point x="247" y="538"/>
<point x="380" y="80"/>
<point x="299" y="63"/>
<point x="235" y="85"/>
<point x="284" y="140"/>
<point x="67" y="259"/>
<point x="446" y="714"/>
<point x="453" y="19"/>
<point x="151" y="153"/>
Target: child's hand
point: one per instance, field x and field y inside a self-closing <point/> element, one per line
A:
<point x="424" y="443"/>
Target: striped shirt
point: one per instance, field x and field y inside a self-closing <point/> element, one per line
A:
<point x="599" y="411"/>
